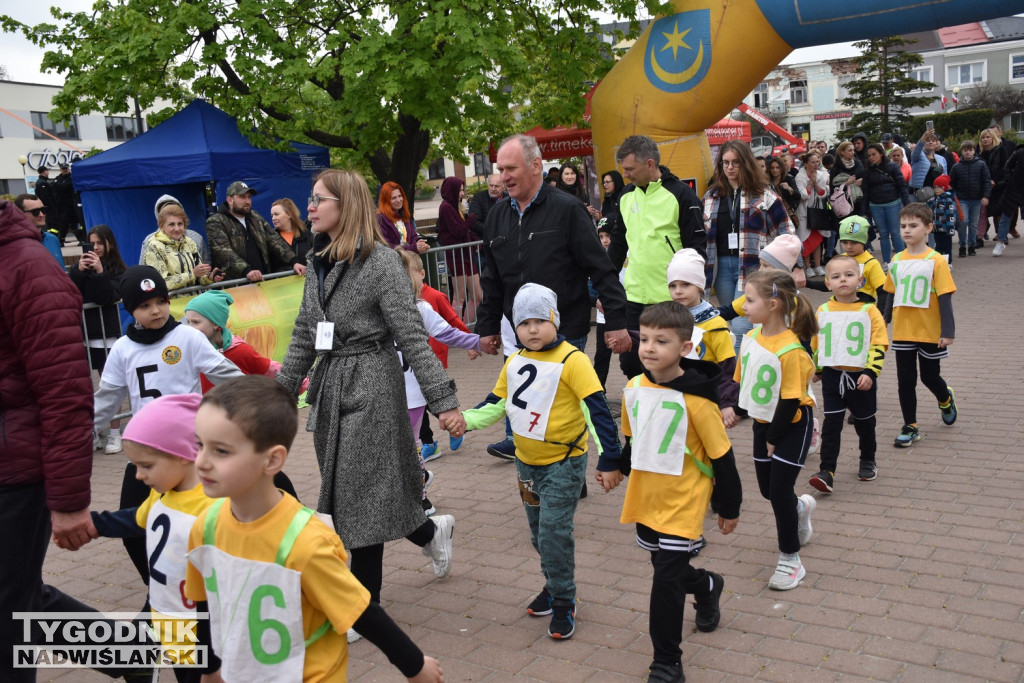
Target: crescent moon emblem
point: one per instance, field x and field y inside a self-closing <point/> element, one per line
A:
<point x="682" y="76"/>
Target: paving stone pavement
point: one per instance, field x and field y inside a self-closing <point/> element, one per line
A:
<point x="913" y="577"/>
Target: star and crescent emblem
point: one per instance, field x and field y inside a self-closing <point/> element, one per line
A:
<point x="678" y="52"/>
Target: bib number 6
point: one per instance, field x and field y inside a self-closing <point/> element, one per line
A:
<point x="258" y="626"/>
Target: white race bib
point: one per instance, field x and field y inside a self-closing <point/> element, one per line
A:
<point x="255" y="616"/>
<point x="913" y="280"/>
<point x="167" y="533"/>
<point x="760" y="380"/>
<point x="532" y="386"/>
<point x="696" y="337"/>
<point x="659" y="423"/>
<point x="843" y="338"/>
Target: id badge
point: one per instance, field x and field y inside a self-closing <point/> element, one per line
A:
<point x="734" y="240"/>
<point x="324" y="336"/>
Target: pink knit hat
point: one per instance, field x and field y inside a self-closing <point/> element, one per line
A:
<point x="167" y="424"/>
<point x="783" y="252"/>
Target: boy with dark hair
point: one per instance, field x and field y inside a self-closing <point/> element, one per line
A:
<point x="972" y="182"/>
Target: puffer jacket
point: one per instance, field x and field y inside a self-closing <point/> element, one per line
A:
<point x="174" y="260"/>
<point x="226" y="235"/>
<point x="42" y="363"/>
<point x="971" y="179"/>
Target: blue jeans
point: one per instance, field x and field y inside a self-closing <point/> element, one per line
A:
<point x="972" y="213"/>
<point x="887" y="220"/>
<point x="550" y="494"/>
<point x="1003" y="233"/>
<point x="727" y="276"/>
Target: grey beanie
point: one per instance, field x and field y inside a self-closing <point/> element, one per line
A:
<point x="535" y="301"/>
<point x="162" y="202"/>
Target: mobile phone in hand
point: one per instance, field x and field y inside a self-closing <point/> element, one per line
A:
<point x="930" y="125"/>
<point x="86" y="248"/>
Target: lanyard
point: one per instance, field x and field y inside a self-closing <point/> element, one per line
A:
<point x="734" y="210"/>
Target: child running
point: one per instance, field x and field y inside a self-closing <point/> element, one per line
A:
<point x="160" y="442"/>
<point x="264" y="555"/>
<point x="544" y="387"/>
<point x="673" y="427"/>
<point x="921" y="311"/>
<point x="849" y="353"/>
<point x="774" y="373"/>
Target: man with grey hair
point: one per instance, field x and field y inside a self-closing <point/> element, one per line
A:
<point x="485" y="199"/>
<point x="659" y="215"/>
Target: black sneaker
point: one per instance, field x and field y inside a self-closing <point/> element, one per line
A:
<point x="979" y="243"/>
<point x="506" y="450"/>
<point x="867" y="471"/>
<point x="963" y="252"/>
<point x="708" y="612"/>
<point x="971" y="251"/>
<point x="428" y="478"/>
<point x="583" y="491"/>
<point x="665" y="673"/>
<point x="563" y="619"/>
<point x="541" y="605"/>
<point x="907" y="437"/>
<point x="428" y="507"/>
<point x="822" y="481"/>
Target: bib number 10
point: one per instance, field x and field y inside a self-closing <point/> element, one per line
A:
<point x="854" y="335"/>
<point x="915" y="290"/>
<point x="765" y="379"/>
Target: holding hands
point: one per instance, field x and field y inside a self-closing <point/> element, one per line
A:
<point x="452" y="422"/>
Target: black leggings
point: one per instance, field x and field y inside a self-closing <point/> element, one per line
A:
<point x="602" y="357"/>
<point x="906" y="376"/>
<point x="368" y="561"/>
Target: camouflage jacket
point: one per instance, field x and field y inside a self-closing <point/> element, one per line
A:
<point x="226" y="236"/>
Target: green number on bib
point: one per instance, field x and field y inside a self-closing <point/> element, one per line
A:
<point x="826" y="331"/>
<point x="258" y="625"/>
<point x="762" y="390"/>
<point x="679" y="411"/>
<point x="915" y="288"/>
<point x="745" y="362"/>
<point x="855" y="335"/>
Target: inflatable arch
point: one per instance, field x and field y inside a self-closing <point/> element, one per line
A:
<point x="689" y="69"/>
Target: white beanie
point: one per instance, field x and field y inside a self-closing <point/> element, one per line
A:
<point x="162" y="202"/>
<point x="783" y="252"/>
<point x="687" y="265"/>
<point x="535" y="301"/>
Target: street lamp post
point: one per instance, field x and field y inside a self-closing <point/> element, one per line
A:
<point x="956" y="100"/>
<point x="22" y="159"/>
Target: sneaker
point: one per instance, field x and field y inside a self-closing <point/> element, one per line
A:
<point x="803" y="520"/>
<point x="822" y="481"/>
<point x="979" y="243"/>
<point x="948" y="414"/>
<point x="428" y="507"/>
<point x="506" y="450"/>
<point x="907" y="437"/>
<point x="963" y="252"/>
<point x="971" y="251"/>
<point x="998" y="249"/>
<point x="1014" y="234"/>
<point x="815" y="438"/>
<point x="563" y="619"/>
<point x="454" y="442"/>
<point x="851" y="419"/>
<point x="430" y="451"/>
<point x="867" y="471"/>
<point x="541" y="605"/>
<point x="353" y="635"/>
<point x="98" y="442"/>
<point x="821" y="271"/>
<point x="660" y="672"/>
<point x="788" y="574"/>
<point x="428" y="478"/>
<point x="708" y="611"/>
<point x="439" y="550"/>
<point x="583" y="491"/>
<point x="113" y="442"/>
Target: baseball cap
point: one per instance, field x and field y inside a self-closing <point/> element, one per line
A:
<point x="886" y="137"/>
<point x="238" y="187"/>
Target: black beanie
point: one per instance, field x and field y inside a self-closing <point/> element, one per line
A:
<point x="139" y="284"/>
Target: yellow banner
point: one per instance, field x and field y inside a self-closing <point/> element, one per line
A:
<point x="263" y="313"/>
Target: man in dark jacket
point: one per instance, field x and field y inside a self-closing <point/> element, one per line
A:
<point x="65" y="202"/>
<point x="860" y="147"/>
<point x="44" y="191"/>
<point x="484" y="199"/>
<point x="242" y="243"/>
<point x="544" y="236"/>
<point x="658" y="215"/>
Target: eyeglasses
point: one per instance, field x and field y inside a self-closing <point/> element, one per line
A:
<point x="36" y="212"/>
<point x="730" y="162"/>
<point x="315" y="200"/>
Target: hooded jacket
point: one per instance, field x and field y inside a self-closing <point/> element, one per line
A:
<point x="862" y="155"/>
<point x="452" y="226"/>
<point x="227" y="238"/>
<point x="42" y="363"/>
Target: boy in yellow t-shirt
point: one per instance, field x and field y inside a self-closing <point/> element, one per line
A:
<point x="544" y="389"/>
<point x="849" y="350"/>
<point x="921" y="311"/>
<point x="853" y="238"/>
<point x="258" y="552"/>
<point x="675" y="433"/>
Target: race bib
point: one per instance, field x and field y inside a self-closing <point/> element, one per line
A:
<point x="167" y="532"/>
<point x="760" y="380"/>
<point x="696" y="338"/>
<point x="913" y="280"/>
<point x="659" y="423"/>
<point x="532" y="386"/>
<point x="843" y="338"/>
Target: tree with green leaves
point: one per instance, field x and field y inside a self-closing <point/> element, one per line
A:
<point x="884" y="92"/>
<point x="383" y="84"/>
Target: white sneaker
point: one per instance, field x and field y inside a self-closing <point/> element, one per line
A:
<point x="821" y="270"/>
<point x="788" y="574"/>
<point x="815" y="438"/>
<point x="98" y="442"/>
<point x="113" y="442"/>
<point x="353" y="635"/>
<point x="439" y="550"/>
<point x="998" y="249"/>
<point x="803" y="519"/>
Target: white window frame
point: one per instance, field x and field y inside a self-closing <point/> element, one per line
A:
<point x="760" y="89"/>
<point x="984" y="74"/>
<point x="1017" y="117"/>
<point x="930" y="78"/>
<point x="803" y="89"/>
<point x="1009" y="70"/>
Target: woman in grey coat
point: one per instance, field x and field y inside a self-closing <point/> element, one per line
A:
<point x="358" y="307"/>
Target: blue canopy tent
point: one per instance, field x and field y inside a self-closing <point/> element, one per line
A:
<point x="198" y="146"/>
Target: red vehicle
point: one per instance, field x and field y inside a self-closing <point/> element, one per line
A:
<point x="782" y="139"/>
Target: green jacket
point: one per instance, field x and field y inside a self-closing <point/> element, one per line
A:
<point x="226" y="236"/>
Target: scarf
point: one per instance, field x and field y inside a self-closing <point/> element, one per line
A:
<point x="848" y="164"/>
<point x="703" y="312"/>
<point x="144" y="335"/>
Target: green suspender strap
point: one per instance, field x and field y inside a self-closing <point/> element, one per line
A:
<point x="291" y="534"/>
<point x="756" y="332"/>
<point x="704" y="468"/>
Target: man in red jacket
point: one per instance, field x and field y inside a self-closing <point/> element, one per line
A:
<point x="45" y="427"/>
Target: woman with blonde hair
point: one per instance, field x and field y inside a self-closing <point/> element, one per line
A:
<point x="358" y="312"/>
<point x="995" y="153"/>
<point x="288" y="223"/>
<point x="173" y="253"/>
